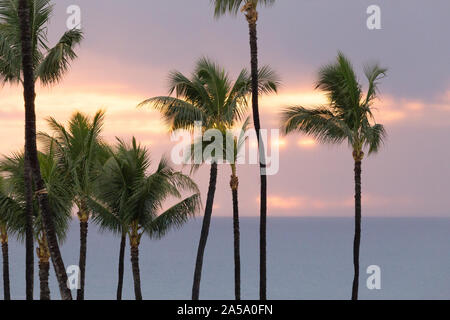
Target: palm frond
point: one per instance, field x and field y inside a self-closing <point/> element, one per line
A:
<point x="319" y="123"/>
<point x="221" y="7"/>
<point x="174" y="217"/>
<point x="373" y="73"/>
<point x="374" y="137"/>
<point x="57" y="60"/>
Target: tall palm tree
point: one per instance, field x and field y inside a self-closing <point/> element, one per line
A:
<point x="130" y="200"/>
<point x="25" y="57"/>
<point x="232" y="146"/>
<point x="81" y="153"/>
<point x="238" y="144"/>
<point x="209" y="97"/>
<point x="250" y="8"/>
<point x="60" y="199"/>
<point x="348" y="117"/>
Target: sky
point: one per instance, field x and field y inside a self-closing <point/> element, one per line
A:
<point x="131" y="46"/>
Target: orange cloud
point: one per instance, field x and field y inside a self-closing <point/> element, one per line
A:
<point x="307" y="143"/>
<point x="122" y="116"/>
<point x="304" y="97"/>
<point x="284" y="203"/>
<point x="299" y="204"/>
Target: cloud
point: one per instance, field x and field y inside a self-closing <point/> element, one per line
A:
<point x="308" y="205"/>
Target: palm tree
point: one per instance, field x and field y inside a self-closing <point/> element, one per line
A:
<point x="235" y="145"/>
<point x="81" y="152"/>
<point x="238" y="144"/>
<point x="250" y="7"/>
<point x="129" y="199"/>
<point x="348" y="117"/>
<point x="25" y="57"/>
<point x="60" y="199"/>
<point x="208" y="97"/>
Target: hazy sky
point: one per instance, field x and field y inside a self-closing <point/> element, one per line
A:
<point x="130" y="47"/>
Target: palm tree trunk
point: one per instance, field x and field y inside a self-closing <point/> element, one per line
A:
<point x="6" y="287"/>
<point x="44" y="269"/>
<point x="29" y="235"/>
<point x="234" y="183"/>
<point x="357" y="239"/>
<point x="31" y="148"/>
<point x="121" y="265"/>
<point x="262" y="164"/>
<point x="82" y="261"/>
<point x="43" y="254"/>
<point x="205" y="231"/>
<point x="136" y="272"/>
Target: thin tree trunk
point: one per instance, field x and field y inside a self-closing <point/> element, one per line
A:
<point x="262" y="164"/>
<point x="31" y="148"/>
<point x="236" y="235"/>
<point x="29" y="236"/>
<point x="121" y="265"/>
<point x="357" y="239"/>
<point x="136" y="272"/>
<point x="6" y="286"/>
<point x="44" y="269"/>
<point x="82" y="261"/>
<point x="204" y="232"/>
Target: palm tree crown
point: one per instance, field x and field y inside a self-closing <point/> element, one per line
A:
<point x="348" y="116"/>
<point x="49" y="63"/>
<point x="80" y="150"/>
<point x="209" y="96"/>
<point x="221" y="7"/>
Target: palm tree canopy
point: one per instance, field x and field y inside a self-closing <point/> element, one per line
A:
<point x="79" y="149"/>
<point x="221" y="7"/>
<point x="209" y="96"/>
<point x="50" y="64"/>
<point x="232" y="145"/>
<point x="57" y="186"/>
<point x="348" y="115"/>
<point x="127" y="194"/>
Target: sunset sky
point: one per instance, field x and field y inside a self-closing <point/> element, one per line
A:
<point x="130" y="46"/>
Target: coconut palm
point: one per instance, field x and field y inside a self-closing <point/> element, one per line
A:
<point x="250" y="8"/>
<point x="130" y="200"/>
<point x="232" y="146"/>
<point x="26" y="57"/>
<point x="238" y="144"/>
<point x="81" y="152"/>
<point x="60" y="199"/>
<point x="210" y="98"/>
<point x="348" y="117"/>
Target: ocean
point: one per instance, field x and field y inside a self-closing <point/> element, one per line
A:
<point x="308" y="258"/>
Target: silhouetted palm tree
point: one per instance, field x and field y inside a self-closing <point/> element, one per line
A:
<point x="130" y="200"/>
<point x="25" y="57"/>
<point x="250" y="7"/>
<point x="81" y="153"/>
<point x="238" y="144"/>
<point x="210" y="98"/>
<point x="348" y="117"/>
<point x="60" y="199"/>
<point x="232" y="146"/>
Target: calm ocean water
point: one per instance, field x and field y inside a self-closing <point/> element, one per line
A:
<point x="308" y="258"/>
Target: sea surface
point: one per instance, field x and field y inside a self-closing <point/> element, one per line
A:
<point x="308" y="258"/>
